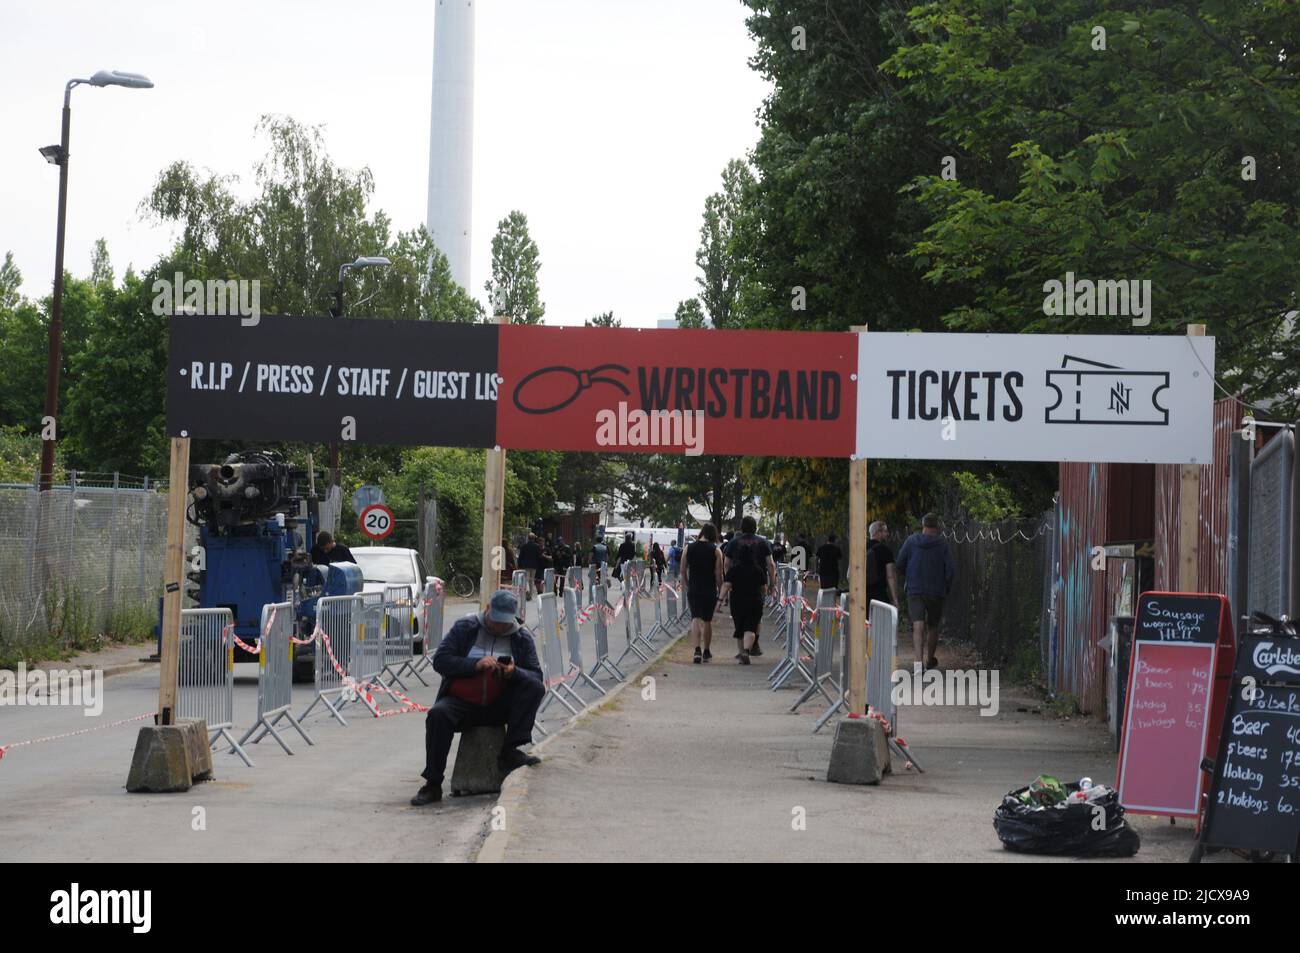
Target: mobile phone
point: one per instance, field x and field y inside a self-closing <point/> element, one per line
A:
<point x="504" y="659"/>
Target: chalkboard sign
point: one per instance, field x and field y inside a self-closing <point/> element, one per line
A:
<point x="1255" y="794"/>
<point x="1178" y="617"/>
<point x="1169" y="707"/>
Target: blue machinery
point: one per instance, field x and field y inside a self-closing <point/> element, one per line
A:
<point x="257" y="520"/>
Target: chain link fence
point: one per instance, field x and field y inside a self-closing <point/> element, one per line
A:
<point x="1001" y="592"/>
<point x="79" y="561"/>
<point x="1001" y="589"/>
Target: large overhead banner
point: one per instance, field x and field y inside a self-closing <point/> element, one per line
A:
<point x="1044" y="397"/>
<point x="757" y="393"/>
<point x="748" y="393"/>
<point x="692" y="391"/>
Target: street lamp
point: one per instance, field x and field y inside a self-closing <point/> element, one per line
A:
<point x="58" y="155"/>
<point x="368" y="261"/>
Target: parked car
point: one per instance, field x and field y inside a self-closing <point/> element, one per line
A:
<point x="385" y="566"/>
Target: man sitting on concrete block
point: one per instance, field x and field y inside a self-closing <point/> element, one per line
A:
<point x="490" y="676"/>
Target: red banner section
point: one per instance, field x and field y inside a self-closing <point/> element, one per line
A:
<point x="752" y="393"/>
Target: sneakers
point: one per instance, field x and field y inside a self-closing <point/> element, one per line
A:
<point x="429" y="794"/>
<point x="708" y="656"/>
<point x="743" y="657"/>
<point x="512" y="758"/>
<point x="698" y="657"/>
<point x="756" y="651"/>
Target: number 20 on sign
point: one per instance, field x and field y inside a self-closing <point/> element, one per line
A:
<point x="377" y="521"/>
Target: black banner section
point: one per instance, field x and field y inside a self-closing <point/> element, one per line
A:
<point x="333" y="379"/>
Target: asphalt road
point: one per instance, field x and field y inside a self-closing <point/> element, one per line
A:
<point x="344" y="797"/>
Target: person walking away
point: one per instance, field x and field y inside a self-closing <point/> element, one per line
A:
<point x="626" y="553"/>
<point x="926" y="564"/>
<point x="490" y="676"/>
<point x="600" y="556"/>
<point x="749" y="539"/>
<point x="674" y="560"/>
<point x="778" y="550"/>
<point x="659" y="560"/>
<point x="530" y="561"/>
<point x="828" y="563"/>
<point x="563" y="560"/>
<point x="702" y="569"/>
<point x="882" y="579"/>
<point x="743" y="589"/>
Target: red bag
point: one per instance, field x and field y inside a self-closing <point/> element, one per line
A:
<point x="481" y="688"/>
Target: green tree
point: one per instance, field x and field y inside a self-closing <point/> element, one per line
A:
<point x="1169" y="156"/>
<point x="721" y="272"/>
<point x="605" y="320"/>
<point x="690" y="314"/>
<point x="513" y="288"/>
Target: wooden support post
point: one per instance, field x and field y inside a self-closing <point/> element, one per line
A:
<point x="178" y="492"/>
<point x="1189" y="513"/>
<point x="857" y="647"/>
<point x="494" y="495"/>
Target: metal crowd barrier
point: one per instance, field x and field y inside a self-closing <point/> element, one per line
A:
<point x="520" y="585"/>
<point x="554" y="675"/>
<point x="632" y="622"/>
<point x="793" y="629"/>
<point x="205" y="674"/>
<point x="828" y="628"/>
<point x="601" y="595"/>
<point x="882" y="653"/>
<point x="275" y="676"/>
<point x="398" y="636"/>
<point x="338" y="623"/>
<point x="433" y="605"/>
<point x="572" y="606"/>
<point x="842" y="686"/>
<point x="594" y="578"/>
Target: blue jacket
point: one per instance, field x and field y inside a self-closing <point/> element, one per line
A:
<point x="451" y="660"/>
<point x="926" y="562"/>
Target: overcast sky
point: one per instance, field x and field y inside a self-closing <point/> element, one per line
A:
<point x="607" y="122"/>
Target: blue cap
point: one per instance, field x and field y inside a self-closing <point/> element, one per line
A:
<point x="503" y="606"/>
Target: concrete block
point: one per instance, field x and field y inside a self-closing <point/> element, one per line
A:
<point x="476" y="770"/>
<point x="196" y="744"/>
<point x="161" y="762"/>
<point x="860" y="752"/>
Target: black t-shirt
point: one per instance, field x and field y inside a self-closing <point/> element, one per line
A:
<point x="746" y="582"/>
<point x="701" y="565"/>
<point x="626" y="551"/>
<point x="338" y="554"/>
<point x="762" y="549"/>
<point x="879" y="556"/>
<point x="530" y="555"/>
<point x="828" y="561"/>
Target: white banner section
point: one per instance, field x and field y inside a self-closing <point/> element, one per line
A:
<point x="1048" y="397"/>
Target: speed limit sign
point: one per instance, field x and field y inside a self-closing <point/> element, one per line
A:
<point x="377" y="521"/>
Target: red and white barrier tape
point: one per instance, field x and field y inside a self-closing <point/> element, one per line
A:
<point x="71" y="734"/>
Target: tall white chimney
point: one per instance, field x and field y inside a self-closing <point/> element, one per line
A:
<point x="451" y="135"/>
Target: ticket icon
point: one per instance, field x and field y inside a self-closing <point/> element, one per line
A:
<point x="1095" y="393"/>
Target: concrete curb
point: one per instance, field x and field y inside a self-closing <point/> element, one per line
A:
<point x="515" y="789"/>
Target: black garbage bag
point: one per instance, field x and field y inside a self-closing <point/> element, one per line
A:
<point x="1068" y="829"/>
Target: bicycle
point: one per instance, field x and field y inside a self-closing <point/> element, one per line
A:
<point x="460" y="584"/>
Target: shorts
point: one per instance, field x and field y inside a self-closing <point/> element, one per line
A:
<point x="924" y="607"/>
<point x="702" y="605"/>
<point x="746" y="615"/>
